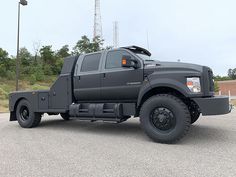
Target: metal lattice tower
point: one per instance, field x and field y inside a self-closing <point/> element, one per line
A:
<point x="97" y="20"/>
<point x="115" y="35"/>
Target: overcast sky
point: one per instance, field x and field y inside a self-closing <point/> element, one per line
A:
<point x="195" y="31"/>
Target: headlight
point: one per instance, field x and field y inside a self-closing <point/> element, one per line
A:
<point x="194" y="85"/>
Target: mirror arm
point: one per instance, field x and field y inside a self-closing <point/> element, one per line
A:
<point x="136" y="64"/>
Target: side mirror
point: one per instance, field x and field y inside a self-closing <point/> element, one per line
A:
<point x="128" y="62"/>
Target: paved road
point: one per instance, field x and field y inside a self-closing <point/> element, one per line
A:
<point x="76" y="148"/>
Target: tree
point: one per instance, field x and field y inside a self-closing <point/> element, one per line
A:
<point x="3" y="60"/>
<point x="97" y="44"/>
<point x="48" y="59"/>
<point x="221" y="78"/>
<point x="26" y="61"/>
<point x="36" y="47"/>
<point x="44" y="60"/>
<point x="52" y="63"/>
<point x="85" y="45"/>
<point x="63" y="52"/>
<point x="47" y="55"/>
<point x="232" y="73"/>
<point x="25" y="57"/>
<point x="7" y="65"/>
<point x="3" y="55"/>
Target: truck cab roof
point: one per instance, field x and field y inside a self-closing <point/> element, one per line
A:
<point x="138" y="50"/>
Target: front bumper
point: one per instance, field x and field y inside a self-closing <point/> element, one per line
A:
<point x="216" y="105"/>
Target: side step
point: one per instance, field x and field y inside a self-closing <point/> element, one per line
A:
<point x="117" y="112"/>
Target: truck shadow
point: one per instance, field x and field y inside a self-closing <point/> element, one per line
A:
<point x="129" y="127"/>
<point x="198" y="134"/>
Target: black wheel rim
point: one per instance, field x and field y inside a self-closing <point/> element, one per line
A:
<point x="163" y="119"/>
<point x="24" y="113"/>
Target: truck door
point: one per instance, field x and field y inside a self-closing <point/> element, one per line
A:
<point x="118" y="83"/>
<point x="87" y="78"/>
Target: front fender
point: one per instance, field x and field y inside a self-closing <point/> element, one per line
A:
<point x="164" y="82"/>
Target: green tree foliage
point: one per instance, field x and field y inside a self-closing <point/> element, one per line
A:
<point x="26" y="61"/>
<point x="7" y="65"/>
<point x="232" y="73"/>
<point x="221" y="78"/>
<point x="47" y="55"/>
<point x="216" y="87"/>
<point x="85" y="45"/>
<point x="63" y="52"/>
<point x="32" y="79"/>
<point x="25" y="56"/>
<point x="3" y="61"/>
<point x="3" y="55"/>
<point x="49" y="62"/>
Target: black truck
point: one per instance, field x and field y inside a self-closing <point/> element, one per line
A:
<point x="115" y="85"/>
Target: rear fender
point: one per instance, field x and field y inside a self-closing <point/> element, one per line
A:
<point x="16" y="97"/>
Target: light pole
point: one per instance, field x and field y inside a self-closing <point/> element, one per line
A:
<point x="23" y="3"/>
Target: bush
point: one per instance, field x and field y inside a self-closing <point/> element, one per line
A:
<point x="39" y="87"/>
<point x="47" y="70"/>
<point x="37" y="71"/>
<point x="40" y="76"/>
<point x="216" y="87"/>
<point x="26" y="70"/>
<point x="32" y="79"/>
<point x="3" y="94"/>
<point x="10" y="75"/>
<point x="2" y="70"/>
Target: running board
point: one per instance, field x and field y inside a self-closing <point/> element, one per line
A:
<point x="117" y="112"/>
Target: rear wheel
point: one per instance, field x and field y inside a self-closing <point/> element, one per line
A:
<point x="65" y="116"/>
<point x="165" y="118"/>
<point x="25" y="115"/>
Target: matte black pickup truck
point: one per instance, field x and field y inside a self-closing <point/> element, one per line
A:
<point x="118" y="84"/>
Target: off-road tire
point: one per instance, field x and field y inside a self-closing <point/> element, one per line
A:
<point x="194" y="116"/>
<point x="65" y="116"/>
<point x="179" y="112"/>
<point x="25" y="115"/>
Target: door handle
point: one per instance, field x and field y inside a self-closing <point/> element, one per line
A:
<point x="104" y="75"/>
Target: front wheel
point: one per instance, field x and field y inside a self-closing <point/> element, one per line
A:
<point x="194" y="112"/>
<point x="165" y="118"/>
<point x="25" y="115"/>
<point x="65" y="116"/>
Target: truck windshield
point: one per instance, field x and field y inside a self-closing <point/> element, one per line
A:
<point x="145" y="57"/>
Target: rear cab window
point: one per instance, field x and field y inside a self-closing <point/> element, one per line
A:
<point x="91" y="63"/>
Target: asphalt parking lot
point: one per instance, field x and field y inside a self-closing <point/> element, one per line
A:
<point x="77" y="148"/>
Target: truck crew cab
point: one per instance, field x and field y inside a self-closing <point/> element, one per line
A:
<point x="115" y="85"/>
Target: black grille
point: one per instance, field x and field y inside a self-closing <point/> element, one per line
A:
<point x="211" y="81"/>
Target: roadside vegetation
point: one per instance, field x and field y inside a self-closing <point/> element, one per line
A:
<point x="8" y="86"/>
<point x="39" y="69"/>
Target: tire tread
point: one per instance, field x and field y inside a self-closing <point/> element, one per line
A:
<point x="184" y="109"/>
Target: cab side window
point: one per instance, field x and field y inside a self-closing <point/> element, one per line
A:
<point x="114" y="59"/>
<point x="91" y="63"/>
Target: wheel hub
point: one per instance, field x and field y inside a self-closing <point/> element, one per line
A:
<point x="162" y="119"/>
<point x="24" y="113"/>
